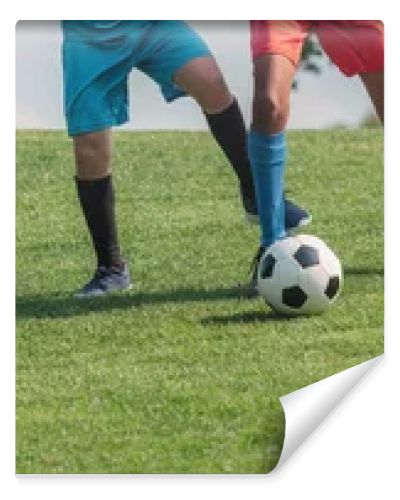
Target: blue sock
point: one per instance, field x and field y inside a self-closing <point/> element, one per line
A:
<point x="267" y="155"/>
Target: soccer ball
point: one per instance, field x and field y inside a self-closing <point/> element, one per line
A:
<point x="299" y="275"/>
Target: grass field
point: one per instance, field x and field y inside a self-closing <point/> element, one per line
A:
<point x="181" y="374"/>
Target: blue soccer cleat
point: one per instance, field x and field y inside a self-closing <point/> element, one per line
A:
<point x="105" y="280"/>
<point x="295" y="216"/>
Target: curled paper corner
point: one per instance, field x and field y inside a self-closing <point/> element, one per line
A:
<point x="308" y="407"/>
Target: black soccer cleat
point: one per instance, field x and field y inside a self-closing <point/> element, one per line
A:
<point x="252" y="284"/>
<point x="105" y="280"/>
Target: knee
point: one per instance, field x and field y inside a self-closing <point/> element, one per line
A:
<point x="89" y="151"/>
<point x="92" y="158"/>
<point x="270" y="111"/>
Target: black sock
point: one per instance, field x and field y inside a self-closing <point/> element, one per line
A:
<point x="229" y="131"/>
<point x="98" y="205"/>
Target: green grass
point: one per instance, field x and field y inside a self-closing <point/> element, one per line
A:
<point x="181" y="374"/>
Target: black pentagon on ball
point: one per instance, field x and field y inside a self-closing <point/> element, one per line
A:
<point x="332" y="287"/>
<point x="267" y="266"/>
<point x="294" y="297"/>
<point x="307" y="256"/>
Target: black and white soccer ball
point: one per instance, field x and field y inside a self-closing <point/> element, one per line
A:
<point x="299" y="275"/>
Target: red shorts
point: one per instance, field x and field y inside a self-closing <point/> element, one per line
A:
<point x="353" y="46"/>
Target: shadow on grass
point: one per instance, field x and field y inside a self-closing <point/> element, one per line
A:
<point x="62" y="306"/>
<point x="366" y="271"/>
<point x="247" y="317"/>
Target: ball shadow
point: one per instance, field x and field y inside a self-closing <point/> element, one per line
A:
<point x="248" y="317"/>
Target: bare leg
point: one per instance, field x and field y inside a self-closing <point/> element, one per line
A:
<point x="374" y="83"/>
<point x="203" y="80"/>
<point x="93" y="155"/>
<point x="273" y="77"/>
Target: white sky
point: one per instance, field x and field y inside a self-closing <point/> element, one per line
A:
<point x="320" y="101"/>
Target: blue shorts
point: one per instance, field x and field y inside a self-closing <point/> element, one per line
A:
<point x="99" y="55"/>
